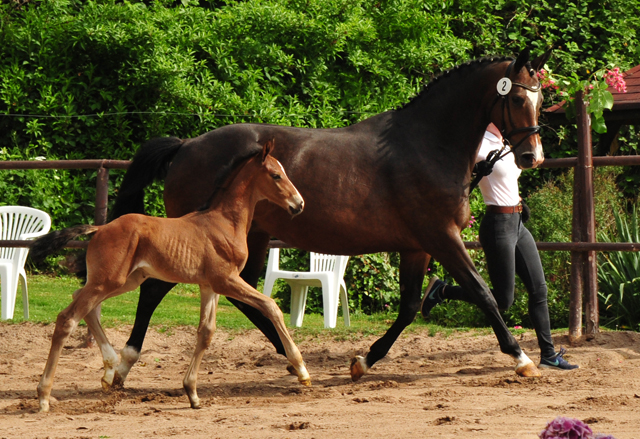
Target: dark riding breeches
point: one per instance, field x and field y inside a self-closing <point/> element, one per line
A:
<point x="509" y="250"/>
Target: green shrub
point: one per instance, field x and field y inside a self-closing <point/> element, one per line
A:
<point x="619" y="277"/>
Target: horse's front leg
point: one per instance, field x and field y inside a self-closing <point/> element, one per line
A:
<point x="152" y="291"/>
<point x="257" y="243"/>
<point x="457" y="262"/>
<point x="238" y="289"/>
<point x="413" y="266"/>
<point x="208" y="306"/>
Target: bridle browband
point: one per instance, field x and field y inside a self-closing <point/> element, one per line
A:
<point x="507" y="146"/>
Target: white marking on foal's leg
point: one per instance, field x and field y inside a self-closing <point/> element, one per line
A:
<point x="110" y="359"/>
<point x="128" y="357"/>
<point x="525" y="367"/>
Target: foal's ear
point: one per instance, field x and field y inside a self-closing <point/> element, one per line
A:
<point x="541" y="60"/>
<point x="521" y="61"/>
<point x="267" y="148"/>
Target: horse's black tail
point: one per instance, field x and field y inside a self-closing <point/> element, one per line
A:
<point x="150" y="163"/>
<point x="55" y="241"/>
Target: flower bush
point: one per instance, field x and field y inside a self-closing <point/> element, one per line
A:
<point x="569" y="428"/>
<point x="594" y="88"/>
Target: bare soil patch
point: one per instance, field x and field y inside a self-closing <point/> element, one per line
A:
<point x="459" y="386"/>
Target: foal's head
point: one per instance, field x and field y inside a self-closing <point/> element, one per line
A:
<point x="273" y="183"/>
<point x="518" y="106"/>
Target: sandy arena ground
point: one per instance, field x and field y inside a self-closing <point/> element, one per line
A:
<point x="455" y="387"/>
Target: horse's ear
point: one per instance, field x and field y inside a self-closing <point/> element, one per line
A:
<point x="541" y="60"/>
<point x="267" y="148"/>
<point x="522" y="59"/>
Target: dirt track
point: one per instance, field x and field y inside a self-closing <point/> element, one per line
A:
<point x="455" y="387"/>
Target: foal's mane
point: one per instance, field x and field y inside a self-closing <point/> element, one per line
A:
<point x="225" y="175"/>
<point x="466" y="67"/>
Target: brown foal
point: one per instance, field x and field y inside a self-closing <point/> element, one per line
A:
<point x="208" y="248"/>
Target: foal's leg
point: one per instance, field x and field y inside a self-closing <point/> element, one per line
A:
<point x="257" y="243"/>
<point x="152" y="291"/>
<point x="109" y="356"/>
<point x="208" y="306"/>
<point x="85" y="299"/>
<point x="238" y="289"/>
<point x="413" y="266"/>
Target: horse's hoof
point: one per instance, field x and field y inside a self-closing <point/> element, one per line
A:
<point x="529" y="370"/>
<point x="44" y="407"/>
<point x="118" y="382"/>
<point x="358" y="368"/>
<point x="196" y="406"/>
<point x="305" y="382"/>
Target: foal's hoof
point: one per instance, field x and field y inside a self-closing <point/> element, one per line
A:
<point x="305" y="382"/>
<point x="358" y="368"/>
<point x="528" y="370"/>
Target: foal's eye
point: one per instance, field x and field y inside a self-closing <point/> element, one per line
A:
<point x="517" y="100"/>
<point x="276" y="177"/>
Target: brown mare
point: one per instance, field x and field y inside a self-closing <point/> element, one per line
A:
<point x="208" y="248"/>
<point x="396" y="182"/>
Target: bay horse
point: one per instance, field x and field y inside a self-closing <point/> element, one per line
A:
<point x="207" y="247"/>
<point x="395" y="182"/>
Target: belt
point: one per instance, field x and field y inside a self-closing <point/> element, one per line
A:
<point x="504" y="209"/>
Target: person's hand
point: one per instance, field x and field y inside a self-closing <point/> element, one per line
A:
<point x="483" y="167"/>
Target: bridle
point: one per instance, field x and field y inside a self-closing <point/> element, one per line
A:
<point x="504" y="88"/>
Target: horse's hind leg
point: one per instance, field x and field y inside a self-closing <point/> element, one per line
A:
<point x="85" y="299"/>
<point x="208" y="306"/>
<point x="413" y="267"/>
<point x="152" y="291"/>
<point x="109" y="355"/>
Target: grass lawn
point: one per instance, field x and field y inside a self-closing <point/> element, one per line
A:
<point x="50" y="295"/>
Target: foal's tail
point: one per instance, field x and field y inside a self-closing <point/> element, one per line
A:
<point x="54" y="241"/>
<point x="150" y="163"/>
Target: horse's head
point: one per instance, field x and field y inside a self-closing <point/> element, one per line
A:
<point x="274" y="183"/>
<point x="517" y="107"/>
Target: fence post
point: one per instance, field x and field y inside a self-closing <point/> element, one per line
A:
<point x="587" y="215"/>
<point x="100" y="218"/>
<point x="584" y="226"/>
<point x="102" y="196"/>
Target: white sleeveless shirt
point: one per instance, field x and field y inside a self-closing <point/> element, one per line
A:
<point x="500" y="188"/>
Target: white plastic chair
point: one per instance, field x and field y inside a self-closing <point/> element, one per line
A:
<point x="327" y="271"/>
<point x="18" y="223"/>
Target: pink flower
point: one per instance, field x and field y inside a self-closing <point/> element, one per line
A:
<point x="614" y="79"/>
<point x="546" y="80"/>
<point x="517" y="327"/>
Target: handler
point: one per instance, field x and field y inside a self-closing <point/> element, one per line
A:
<point x="509" y="249"/>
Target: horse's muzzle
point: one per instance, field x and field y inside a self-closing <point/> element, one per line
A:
<point x="296" y="208"/>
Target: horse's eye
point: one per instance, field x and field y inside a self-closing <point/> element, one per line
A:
<point x="276" y="177"/>
<point x="517" y="100"/>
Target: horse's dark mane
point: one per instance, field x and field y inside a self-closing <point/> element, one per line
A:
<point x="459" y="68"/>
<point x="224" y="175"/>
